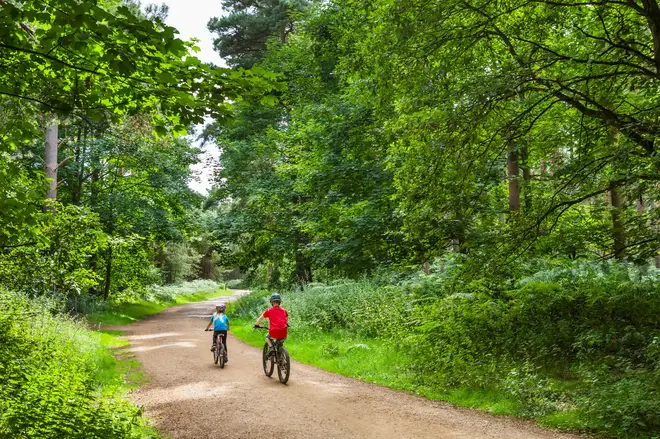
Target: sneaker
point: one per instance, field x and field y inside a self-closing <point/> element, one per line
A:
<point x="213" y="348"/>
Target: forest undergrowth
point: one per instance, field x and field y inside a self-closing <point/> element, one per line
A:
<point x="61" y="379"/>
<point x="575" y="347"/>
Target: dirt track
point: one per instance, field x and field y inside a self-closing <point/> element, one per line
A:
<point x="188" y="396"/>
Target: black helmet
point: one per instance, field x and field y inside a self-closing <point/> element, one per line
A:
<point x="275" y="298"/>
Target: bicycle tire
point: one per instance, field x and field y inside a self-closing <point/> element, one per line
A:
<point x="216" y="351"/>
<point x="269" y="363"/>
<point x="221" y="356"/>
<point x="283" y="365"/>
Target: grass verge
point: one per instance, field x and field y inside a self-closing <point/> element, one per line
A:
<point x="60" y="379"/>
<point x="374" y="361"/>
<point x="126" y="313"/>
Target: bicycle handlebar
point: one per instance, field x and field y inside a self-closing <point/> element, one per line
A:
<point x="266" y="327"/>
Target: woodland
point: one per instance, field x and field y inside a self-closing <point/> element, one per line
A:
<point x="478" y="179"/>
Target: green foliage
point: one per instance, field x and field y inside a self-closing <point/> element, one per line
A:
<point x="57" y="379"/>
<point x="340" y="351"/>
<point x="235" y="283"/>
<point x="132" y="267"/>
<point x="105" y="62"/>
<point x="581" y="339"/>
<point x="59" y="262"/>
<point x="246" y="27"/>
<point x="20" y="194"/>
<point x="181" y="262"/>
<point x="128" y="309"/>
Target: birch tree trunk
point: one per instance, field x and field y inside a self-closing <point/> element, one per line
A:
<point x="513" y="173"/>
<point x="618" y="229"/>
<point x="50" y="161"/>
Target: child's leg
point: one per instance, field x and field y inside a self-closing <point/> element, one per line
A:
<point x="269" y="341"/>
<point x="224" y="340"/>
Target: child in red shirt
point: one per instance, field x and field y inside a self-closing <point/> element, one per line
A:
<point x="279" y="320"/>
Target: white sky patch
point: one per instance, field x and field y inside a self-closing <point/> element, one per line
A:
<point x="190" y="18"/>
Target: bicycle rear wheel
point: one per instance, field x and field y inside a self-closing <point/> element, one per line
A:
<point x="269" y="362"/>
<point x="215" y="353"/>
<point x="283" y="365"/>
<point x="221" y="355"/>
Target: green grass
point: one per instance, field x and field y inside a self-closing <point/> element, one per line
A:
<point x="126" y="313"/>
<point x="373" y="361"/>
<point x="118" y="370"/>
<point x="569" y="420"/>
<point x="339" y="352"/>
<point x="379" y="362"/>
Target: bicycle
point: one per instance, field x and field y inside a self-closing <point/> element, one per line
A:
<point x="219" y="354"/>
<point x="278" y="355"/>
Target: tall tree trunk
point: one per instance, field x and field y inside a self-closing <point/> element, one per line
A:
<point x="513" y="172"/>
<point x="618" y="230"/>
<point x="427" y="267"/>
<point x="527" y="175"/>
<point x="655" y="228"/>
<point x="108" y="273"/>
<point x="50" y="161"/>
<point x="207" y="266"/>
<point x="76" y="186"/>
<point x="303" y="269"/>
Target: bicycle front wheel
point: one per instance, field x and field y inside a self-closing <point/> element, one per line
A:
<point x="269" y="362"/>
<point x="283" y="365"/>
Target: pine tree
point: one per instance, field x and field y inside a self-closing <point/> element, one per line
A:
<point x="244" y="32"/>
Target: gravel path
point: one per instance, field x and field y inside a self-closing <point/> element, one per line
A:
<point x="188" y="396"/>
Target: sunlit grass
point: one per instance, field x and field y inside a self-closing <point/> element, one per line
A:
<point x="126" y="313"/>
<point x="383" y="363"/>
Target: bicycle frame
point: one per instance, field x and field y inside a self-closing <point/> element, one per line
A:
<point x="281" y="358"/>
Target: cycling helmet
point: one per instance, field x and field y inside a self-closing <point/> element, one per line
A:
<point x="275" y="298"/>
<point x="222" y="306"/>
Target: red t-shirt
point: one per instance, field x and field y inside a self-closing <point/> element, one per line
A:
<point x="279" y="320"/>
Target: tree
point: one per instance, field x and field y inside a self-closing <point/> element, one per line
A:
<point x="97" y="62"/>
<point x="244" y="32"/>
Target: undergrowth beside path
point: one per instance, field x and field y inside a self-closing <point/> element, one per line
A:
<point x="371" y="360"/>
<point x="161" y="298"/>
<point x="572" y="347"/>
<point x="60" y="379"/>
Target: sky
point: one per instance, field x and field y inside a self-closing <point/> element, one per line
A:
<point x="190" y="18"/>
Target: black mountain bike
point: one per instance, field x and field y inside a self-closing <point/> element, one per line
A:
<point x="278" y="355"/>
<point x="220" y="352"/>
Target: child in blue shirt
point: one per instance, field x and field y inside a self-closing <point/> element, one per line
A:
<point x="220" y="323"/>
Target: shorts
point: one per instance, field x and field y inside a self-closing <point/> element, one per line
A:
<point x="271" y="338"/>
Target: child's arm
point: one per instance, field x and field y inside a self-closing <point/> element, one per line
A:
<point x="263" y="316"/>
<point x="209" y="325"/>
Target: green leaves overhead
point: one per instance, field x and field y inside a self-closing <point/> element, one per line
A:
<point x="80" y="56"/>
<point x="411" y="129"/>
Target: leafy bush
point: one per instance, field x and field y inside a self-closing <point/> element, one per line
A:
<point x="133" y="269"/>
<point x="163" y="293"/>
<point x="59" y="262"/>
<point x="235" y="283"/>
<point x="578" y="337"/>
<point x="180" y="262"/>
<point x="169" y="293"/>
<point x="53" y="377"/>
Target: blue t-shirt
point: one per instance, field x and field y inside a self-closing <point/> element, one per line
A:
<point x="219" y="321"/>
